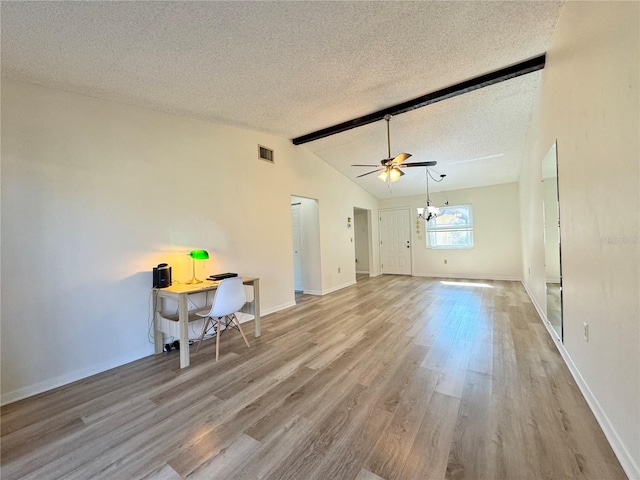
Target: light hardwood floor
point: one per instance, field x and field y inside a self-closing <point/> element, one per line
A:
<point x="393" y="378"/>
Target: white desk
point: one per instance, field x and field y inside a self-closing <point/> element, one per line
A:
<point x="179" y="292"/>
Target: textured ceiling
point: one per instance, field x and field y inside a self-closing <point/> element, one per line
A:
<point x="290" y="68"/>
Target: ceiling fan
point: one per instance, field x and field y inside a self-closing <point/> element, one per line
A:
<point x="390" y="168"/>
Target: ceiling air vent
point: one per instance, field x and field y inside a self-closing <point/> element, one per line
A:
<point x="265" y="153"/>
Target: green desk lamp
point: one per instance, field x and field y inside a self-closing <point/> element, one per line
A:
<point x="197" y="255"/>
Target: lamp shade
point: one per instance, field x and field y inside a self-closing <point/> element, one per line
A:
<point x="395" y="173"/>
<point x="199" y="254"/>
<point x="392" y="174"/>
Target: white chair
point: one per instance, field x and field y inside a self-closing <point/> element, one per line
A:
<point x="229" y="299"/>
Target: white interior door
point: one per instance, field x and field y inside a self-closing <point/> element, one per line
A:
<point x="395" y="243"/>
<point x="298" y="283"/>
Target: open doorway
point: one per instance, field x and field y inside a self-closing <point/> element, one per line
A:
<point x="305" y="232"/>
<point x="362" y="241"/>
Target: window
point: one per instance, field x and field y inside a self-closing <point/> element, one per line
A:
<point x="452" y="228"/>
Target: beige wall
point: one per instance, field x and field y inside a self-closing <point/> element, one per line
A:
<point x="589" y="103"/>
<point x="496" y="252"/>
<point x="96" y="193"/>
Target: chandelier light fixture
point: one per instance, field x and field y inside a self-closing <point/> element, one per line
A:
<point x="429" y="212"/>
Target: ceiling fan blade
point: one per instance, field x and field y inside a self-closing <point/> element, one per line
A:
<point x="374" y="166"/>
<point x="400" y="158"/>
<point x="419" y="164"/>
<point x="368" y="173"/>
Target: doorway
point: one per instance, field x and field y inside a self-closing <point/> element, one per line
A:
<point x="298" y="276"/>
<point x="395" y="241"/>
<point x="362" y="241"/>
<point x="305" y="234"/>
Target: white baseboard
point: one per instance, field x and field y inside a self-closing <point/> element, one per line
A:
<point x="362" y="272"/>
<point x="50" y="384"/>
<point x="339" y="287"/>
<point x="277" y="308"/>
<point x="540" y="311"/>
<point x="329" y="290"/>
<point x="619" y="449"/>
<point x="324" y="292"/>
<point x="469" y="276"/>
<point x="622" y="453"/>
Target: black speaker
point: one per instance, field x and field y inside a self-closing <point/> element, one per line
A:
<point x="161" y="276"/>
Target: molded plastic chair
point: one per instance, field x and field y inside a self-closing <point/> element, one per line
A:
<point x="229" y="299"/>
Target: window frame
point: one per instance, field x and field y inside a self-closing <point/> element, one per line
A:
<point x="431" y="227"/>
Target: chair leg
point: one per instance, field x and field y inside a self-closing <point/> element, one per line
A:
<point x="235" y="320"/>
<point x="218" y="340"/>
<point x="204" y="330"/>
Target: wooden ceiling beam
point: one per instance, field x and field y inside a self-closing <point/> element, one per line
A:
<point x="470" y="85"/>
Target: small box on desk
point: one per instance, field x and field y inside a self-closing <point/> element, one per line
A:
<point x="221" y="276"/>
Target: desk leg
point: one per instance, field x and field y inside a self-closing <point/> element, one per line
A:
<point x="158" y="336"/>
<point x="183" y="321"/>
<point x="256" y="305"/>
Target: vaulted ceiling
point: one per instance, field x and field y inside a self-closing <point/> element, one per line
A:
<point x="291" y="68"/>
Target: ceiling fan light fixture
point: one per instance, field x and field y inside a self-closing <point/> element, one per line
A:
<point x="391" y="168"/>
<point x="391" y="174"/>
<point x="395" y="173"/>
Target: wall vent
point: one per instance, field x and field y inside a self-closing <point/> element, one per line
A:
<point x="265" y="153"/>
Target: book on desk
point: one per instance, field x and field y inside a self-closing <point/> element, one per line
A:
<point x="221" y="276"/>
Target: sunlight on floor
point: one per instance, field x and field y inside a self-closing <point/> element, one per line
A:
<point x="467" y="284"/>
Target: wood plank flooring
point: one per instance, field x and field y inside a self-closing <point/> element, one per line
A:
<point x="393" y="378"/>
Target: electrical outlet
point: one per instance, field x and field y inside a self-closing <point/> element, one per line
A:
<point x="585" y="331"/>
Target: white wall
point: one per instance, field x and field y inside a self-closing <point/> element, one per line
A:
<point x="589" y="102"/>
<point x="496" y="252"/>
<point x="96" y="193"/>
